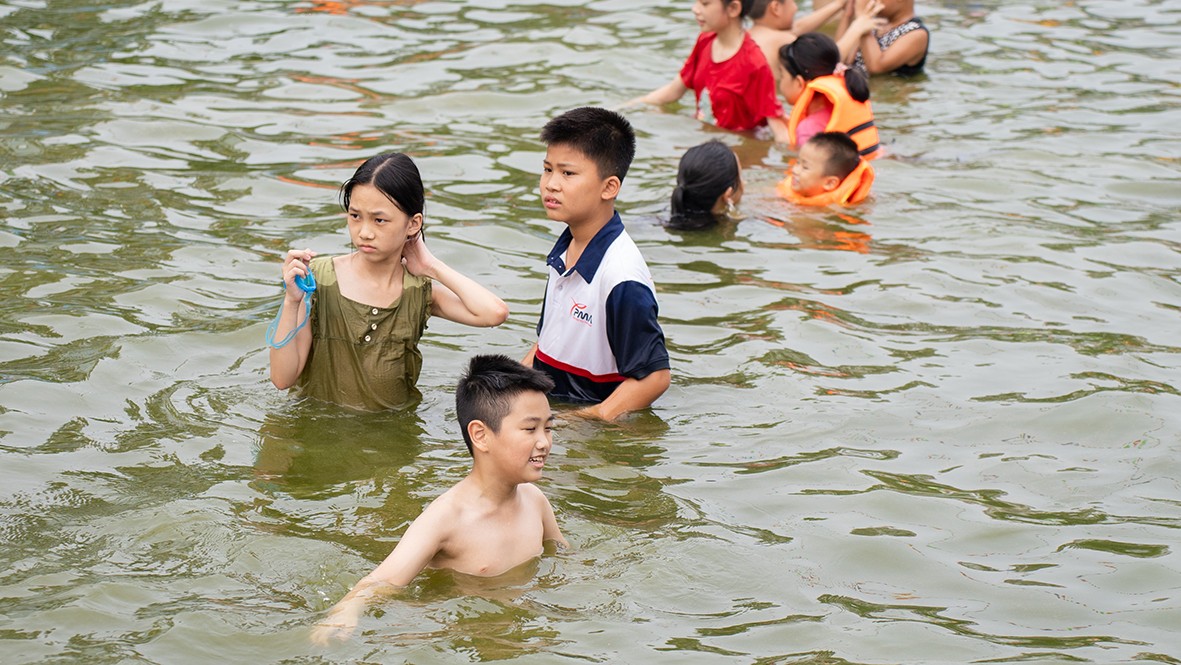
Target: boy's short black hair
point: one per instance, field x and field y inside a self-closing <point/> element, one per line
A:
<point x="604" y="136"/>
<point x="759" y="7"/>
<point x="487" y="390"/>
<point x="841" y="150"/>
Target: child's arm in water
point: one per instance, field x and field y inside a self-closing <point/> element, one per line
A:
<point x="418" y="546"/>
<point x="669" y="92"/>
<point x="550" y="530"/>
<point x="631" y="395"/>
<point x="456" y="297"/>
<point x="287" y="362"/>
<point x="779" y="130"/>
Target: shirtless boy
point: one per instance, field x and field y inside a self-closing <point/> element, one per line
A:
<point x="774" y="25"/>
<point x="493" y="520"/>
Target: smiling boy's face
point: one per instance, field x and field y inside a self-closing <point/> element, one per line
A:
<point x="808" y="177"/>
<point x="520" y="446"/>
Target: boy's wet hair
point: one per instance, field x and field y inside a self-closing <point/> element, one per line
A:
<point x="815" y="54"/>
<point x="604" y="136"/>
<point x="704" y="174"/>
<point x="842" y="156"/>
<point x="758" y="8"/>
<point x="487" y="390"/>
<point x="394" y="175"/>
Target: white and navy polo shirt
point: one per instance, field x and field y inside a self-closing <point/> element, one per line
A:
<point x="598" y="323"/>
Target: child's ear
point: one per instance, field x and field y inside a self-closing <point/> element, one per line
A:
<point x="477" y="431"/>
<point x="415" y="224"/>
<point x="611" y="187"/>
<point x="830" y="182"/>
<point x="734" y="8"/>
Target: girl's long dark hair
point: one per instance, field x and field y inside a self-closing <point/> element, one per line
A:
<point x="815" y="54"/>
<point x="705" y="172"/>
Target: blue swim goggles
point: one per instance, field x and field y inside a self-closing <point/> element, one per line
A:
<point x="307" y="284"/>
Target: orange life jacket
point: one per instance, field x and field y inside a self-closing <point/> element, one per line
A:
<point x="848" y="115"/>
<point x="853" y="189"/>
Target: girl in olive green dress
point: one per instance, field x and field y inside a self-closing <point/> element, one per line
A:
<point x="359" y="347"/>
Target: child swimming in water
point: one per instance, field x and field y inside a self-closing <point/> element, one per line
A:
<point x="357" y="343"/>
<point x="709" y="183"/>
<point x="826" y="96"/>
<point x="493" y="520"/>
<point x="828" y="171"/>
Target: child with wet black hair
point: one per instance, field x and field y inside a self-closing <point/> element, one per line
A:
<point x="709" y="185"/>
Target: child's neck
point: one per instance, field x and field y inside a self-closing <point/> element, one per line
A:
<point x="900" y="15"/>
<point x="582" y="232"/>
<point x="375" y="284"/>
<point x="384" y="275"/>
<point x="492" y="490"/>
<point x="760" y="28"/>
<point x="729" y="40"/>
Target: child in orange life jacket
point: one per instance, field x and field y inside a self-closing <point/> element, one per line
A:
<point x="826" y="96"/>
<point x="828" y="171"/>
<point x="709" y="185"/>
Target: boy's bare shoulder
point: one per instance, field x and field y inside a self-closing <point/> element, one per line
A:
<point x="445" y="510"/>
<point x="532" y="491"/>
<point x="537" y="501"/>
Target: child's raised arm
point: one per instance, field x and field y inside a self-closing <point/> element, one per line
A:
<point x="418" y="546"/>
<point x="906" y="50"/>
<point x="858" y="33"/>
<point x="812" y="22"/>
<point x="456" y="297"/>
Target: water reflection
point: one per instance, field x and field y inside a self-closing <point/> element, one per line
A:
<point x="314" y="446"/>
<point x="602" y="472"/>
<point x="939" y="436"/>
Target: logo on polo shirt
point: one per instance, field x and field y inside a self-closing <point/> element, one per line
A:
<point x="578" y="312"/>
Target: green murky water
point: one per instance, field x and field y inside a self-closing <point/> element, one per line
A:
<point x="941" y="428"/>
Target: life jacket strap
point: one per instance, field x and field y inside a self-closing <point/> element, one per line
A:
<point x="860" y="128"/>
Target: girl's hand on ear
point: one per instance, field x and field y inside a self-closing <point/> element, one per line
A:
<point x="417" y="258"/>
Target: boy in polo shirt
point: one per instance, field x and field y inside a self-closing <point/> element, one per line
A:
<point x="598" y="337"/>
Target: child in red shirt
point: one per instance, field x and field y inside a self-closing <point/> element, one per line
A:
<point x="734" y="85"/>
